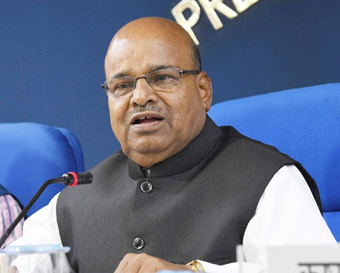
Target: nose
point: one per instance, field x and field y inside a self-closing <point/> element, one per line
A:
<point x="143" y="93"/>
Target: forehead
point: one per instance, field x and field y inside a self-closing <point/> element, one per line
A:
<point x="139" y="55"/>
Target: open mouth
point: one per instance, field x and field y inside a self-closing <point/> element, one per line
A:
<point x="146" y="119"/>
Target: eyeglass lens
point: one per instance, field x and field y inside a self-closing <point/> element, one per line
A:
<point x="160" y="80"/>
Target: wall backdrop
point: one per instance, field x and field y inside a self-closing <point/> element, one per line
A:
<point x="52" y="54"/>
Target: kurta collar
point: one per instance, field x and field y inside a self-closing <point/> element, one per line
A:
<point x="192" y="155"/>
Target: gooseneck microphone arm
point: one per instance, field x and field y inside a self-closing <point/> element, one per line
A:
<point x="69" y="179"/>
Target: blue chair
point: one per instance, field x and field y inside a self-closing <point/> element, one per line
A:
<point x="303" y="123"/>
<point x="32" y="153"/>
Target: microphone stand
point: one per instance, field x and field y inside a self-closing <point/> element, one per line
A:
<point x="25" y="210"/>
<point x="71" y="179"/>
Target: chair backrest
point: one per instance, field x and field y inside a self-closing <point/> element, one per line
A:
<point x="303" y="123"/>
<point x="32" y="153"/>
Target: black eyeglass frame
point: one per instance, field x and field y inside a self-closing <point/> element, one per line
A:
<point x="180" y="71"/>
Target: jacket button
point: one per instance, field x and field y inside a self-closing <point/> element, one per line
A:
<point x="146" y="187"/>
<point x="138" y="243"/>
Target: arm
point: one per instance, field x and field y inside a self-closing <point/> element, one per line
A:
<point x="9" y="211"/>
<point x="39" y="229"/>
<point x="286" y="215"/>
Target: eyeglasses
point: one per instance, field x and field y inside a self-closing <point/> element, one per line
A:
<point x="163" y="79"/>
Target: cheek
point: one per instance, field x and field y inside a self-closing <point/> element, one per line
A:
<point x="118" y="107"/>
<point x="118" y="110"/>
<point x="186" y="106"/>
<point x="189" y="114"/>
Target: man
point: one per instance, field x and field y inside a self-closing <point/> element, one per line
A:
<point x="181" y="188"/>
<point x="9" y="210"/>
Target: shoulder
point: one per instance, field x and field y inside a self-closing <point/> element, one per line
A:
<point x="265" y="157"/>
<point x="102" y="174"/>
<point x="111" y="164"/>
<point x="254" y="150"/>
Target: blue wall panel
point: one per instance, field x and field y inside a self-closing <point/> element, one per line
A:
<point x="52" y="52"/>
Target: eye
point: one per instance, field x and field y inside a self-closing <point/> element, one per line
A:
<point x="163" y="77"/>
<point x="122" y="86"/>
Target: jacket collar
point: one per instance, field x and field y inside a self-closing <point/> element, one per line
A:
<point x="193" y="155"/>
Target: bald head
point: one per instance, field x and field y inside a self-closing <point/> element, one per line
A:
<point x="160" y="28"/>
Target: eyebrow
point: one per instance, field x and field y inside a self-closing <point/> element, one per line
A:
<point x="119" y="75"/>
<point x="152" y="69"/>
<point x="159" y="67"/>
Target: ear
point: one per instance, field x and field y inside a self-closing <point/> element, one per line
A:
<point x="205" y="89"/>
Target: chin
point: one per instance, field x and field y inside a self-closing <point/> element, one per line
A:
<point x="149" y="143"/>
<point x="149" y="148"/>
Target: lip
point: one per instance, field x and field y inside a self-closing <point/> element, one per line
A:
<point x="143" y="115"/>
<point x="147" y="127"/>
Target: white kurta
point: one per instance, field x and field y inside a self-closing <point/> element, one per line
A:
<point x="286" y="214"/>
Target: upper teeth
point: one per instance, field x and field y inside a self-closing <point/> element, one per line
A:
<point x="145" y="117"/>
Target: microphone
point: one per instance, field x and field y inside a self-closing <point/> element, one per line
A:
<point x="72" y="179"/>
<point x="69" y="179"/>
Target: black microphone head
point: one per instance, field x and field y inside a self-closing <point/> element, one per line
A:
<point x="72" y="179"/>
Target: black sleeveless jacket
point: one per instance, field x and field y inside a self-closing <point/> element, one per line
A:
<point x="198" y="208"/>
